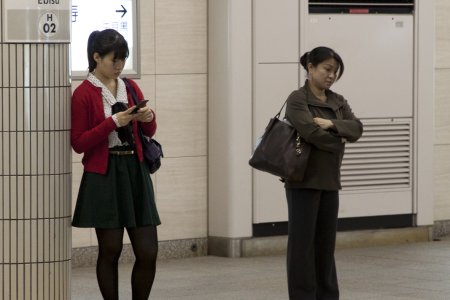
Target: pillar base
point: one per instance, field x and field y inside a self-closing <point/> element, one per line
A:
<point x="276" y="245"/>
<point x="87" y="256"/>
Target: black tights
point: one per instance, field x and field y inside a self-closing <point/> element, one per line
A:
<point x="144" y="241"/>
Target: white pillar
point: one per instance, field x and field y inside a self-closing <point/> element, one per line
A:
<point x="424" y="107"/>
<point x="35" y="158"/>
<point x="229" y="125"/>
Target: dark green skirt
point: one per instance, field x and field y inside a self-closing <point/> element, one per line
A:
<point x="123" y="197"/>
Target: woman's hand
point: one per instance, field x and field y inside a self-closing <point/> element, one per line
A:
<point x="323" y="123"/>
<point x="326" y="124"/>
<point x="144" y="114"/>
<point x="125" y="117"/>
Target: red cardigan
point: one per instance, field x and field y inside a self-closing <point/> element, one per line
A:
<point x="90" y="127"/>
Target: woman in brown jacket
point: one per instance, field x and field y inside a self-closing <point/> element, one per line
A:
<point x="325" y="120"/>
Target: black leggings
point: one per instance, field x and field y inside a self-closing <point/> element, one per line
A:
<point x="144" y="241"/>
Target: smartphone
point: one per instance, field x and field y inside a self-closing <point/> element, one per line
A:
<point x="138" y="106"/>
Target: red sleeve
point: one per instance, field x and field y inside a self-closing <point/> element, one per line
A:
<point x="84" y="134"/>
<point x="149" y="128"/>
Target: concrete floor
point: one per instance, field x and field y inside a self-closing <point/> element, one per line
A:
<point x="402" y="272"/>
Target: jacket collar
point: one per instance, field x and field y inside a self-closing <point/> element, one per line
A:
<point x="332" y="100"/>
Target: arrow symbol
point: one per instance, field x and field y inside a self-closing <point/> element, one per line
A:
<point x="123" y="10"/>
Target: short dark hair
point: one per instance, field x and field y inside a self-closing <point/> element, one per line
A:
<point x="320" y="54"/>
<point x="104" y="42"/>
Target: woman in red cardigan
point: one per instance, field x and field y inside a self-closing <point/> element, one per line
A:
<point x="116" y="190"/>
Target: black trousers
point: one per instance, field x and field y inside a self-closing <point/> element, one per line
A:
<point x="311" y="267"/>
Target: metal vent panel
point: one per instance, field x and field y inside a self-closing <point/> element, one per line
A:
<point x="361" y="6"/>
<point x="382" y="157"/>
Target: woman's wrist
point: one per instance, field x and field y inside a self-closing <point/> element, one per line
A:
<point x="116" y="120"/>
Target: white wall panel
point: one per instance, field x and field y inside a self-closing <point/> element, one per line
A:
<point x="442" y="23"/>
<point x="377" y="51"/>
<point x="180" y="36"/>
<point x="441" y="181"/>
<point x="181" y="198"/>
<point x="147" y="36"/>
<point x="275" y="30"/>
<point x="375" y="203"/>
<point x="442" y="107"/>
<point x="273" y="84"/>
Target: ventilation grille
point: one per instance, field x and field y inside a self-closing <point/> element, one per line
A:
<point x="381" y="158"/>
<point x="361" y="6"/>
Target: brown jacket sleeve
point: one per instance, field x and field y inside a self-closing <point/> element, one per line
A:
<point x="349" y="127"/>
<point x="298" y="114"/>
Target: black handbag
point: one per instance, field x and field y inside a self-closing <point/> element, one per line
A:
<point x="281" y="151"/>
<point x="151" y="148"/>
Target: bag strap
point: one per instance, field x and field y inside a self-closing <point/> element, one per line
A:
<point x="134" y="97"/>
<point x="132" y="91"/>
<point x="298" y="138"/>
<point x="281" y="109"/>
<point x="284" y="104"/>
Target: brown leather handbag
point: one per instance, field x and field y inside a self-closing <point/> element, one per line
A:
<point x="281" y="151"/>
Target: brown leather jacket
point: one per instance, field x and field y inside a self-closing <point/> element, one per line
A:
<point x="324" y="163"/>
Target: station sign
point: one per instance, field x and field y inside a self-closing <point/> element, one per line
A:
<point x="90" y="15"/>
<point x="36" y="21"/>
